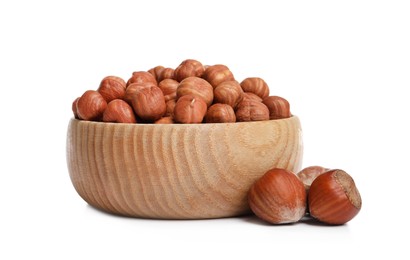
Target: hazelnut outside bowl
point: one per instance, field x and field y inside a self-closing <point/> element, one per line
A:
<point x="177" y="171"/>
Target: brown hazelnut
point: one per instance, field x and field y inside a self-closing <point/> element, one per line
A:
<point x="278" y="197"/>
<point x="189" y="68"/>
<point x="189" y="110"/>
<point x="133" y="87"/>
<point x="169" y="88"/>
<point x="91" y="106"/>
<point x="141" y="77"/>
<point x="149" y="103"/>
<point x="197" y="87"/>
<point x="309" y="174"/>
<point x="165" y="120"/>
<point x="74" y="108"/>
<point x="334" y="198"/>
<point x="111" y="88"/>
<point x="252" y="96"/>
<point x="220" y="113"/>
<point x="156" y="72"/>
<point x="228" y="92"/>
<point x="119" y="111"/>
<point x="216" y="74"/>
<point x="250" y="110"/>
<point x="170" y="107"/>
<point x="278" y="107"/>
<point x="255" y="85"/>
<point x="166" y="73"/>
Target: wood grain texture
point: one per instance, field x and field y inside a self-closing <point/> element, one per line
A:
<point x="176" y="171"/>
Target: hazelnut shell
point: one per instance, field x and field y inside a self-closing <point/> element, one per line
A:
<point x="334" y="198"/>
<point x="278" y="197"/>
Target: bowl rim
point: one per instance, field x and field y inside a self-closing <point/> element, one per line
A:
<point x="292" y="117"/>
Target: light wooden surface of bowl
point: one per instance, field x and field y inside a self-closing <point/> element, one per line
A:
<point x="177" y="171"/>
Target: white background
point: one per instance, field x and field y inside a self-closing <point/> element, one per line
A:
<point x="343" y="65"/>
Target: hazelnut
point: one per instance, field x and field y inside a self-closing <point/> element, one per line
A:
<point x="278" y="197"/>
<point x="189" y="68"/>
<point x="111" y="88"/>
<point x="251" y="96"/>
<point x="141" y="77"/>
<point x="91" y="106"/>
<point x="189" y="110"/>
<point x="170" y="107"/>
<point x="167" y="73"/>
<point x="156" y="72"/>
<point x="278" y="107"/>
<point x="149" y="103"/>
<point x="119" y="111"/>
<point x="196" y="87"/>
<point x="220" y="113"/>
<point x="255" y="85"/>
<point x="74" y="108"/>
<point x="334" y="198"/>
<point x="309" y="174"/>
<point x="133" y="87"/>
<point x="216" y="74"/>
<point x="228" y="92"/>
<point x="165" y="120"/>
<point x="169" y="88"/>
<point x="250" y="110"/>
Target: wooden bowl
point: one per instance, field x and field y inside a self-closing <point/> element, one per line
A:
<point x="177" y="171"/>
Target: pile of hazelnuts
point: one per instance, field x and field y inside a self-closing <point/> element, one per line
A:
<point x="190" y="93"/>
<point x="328" y="195"/>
